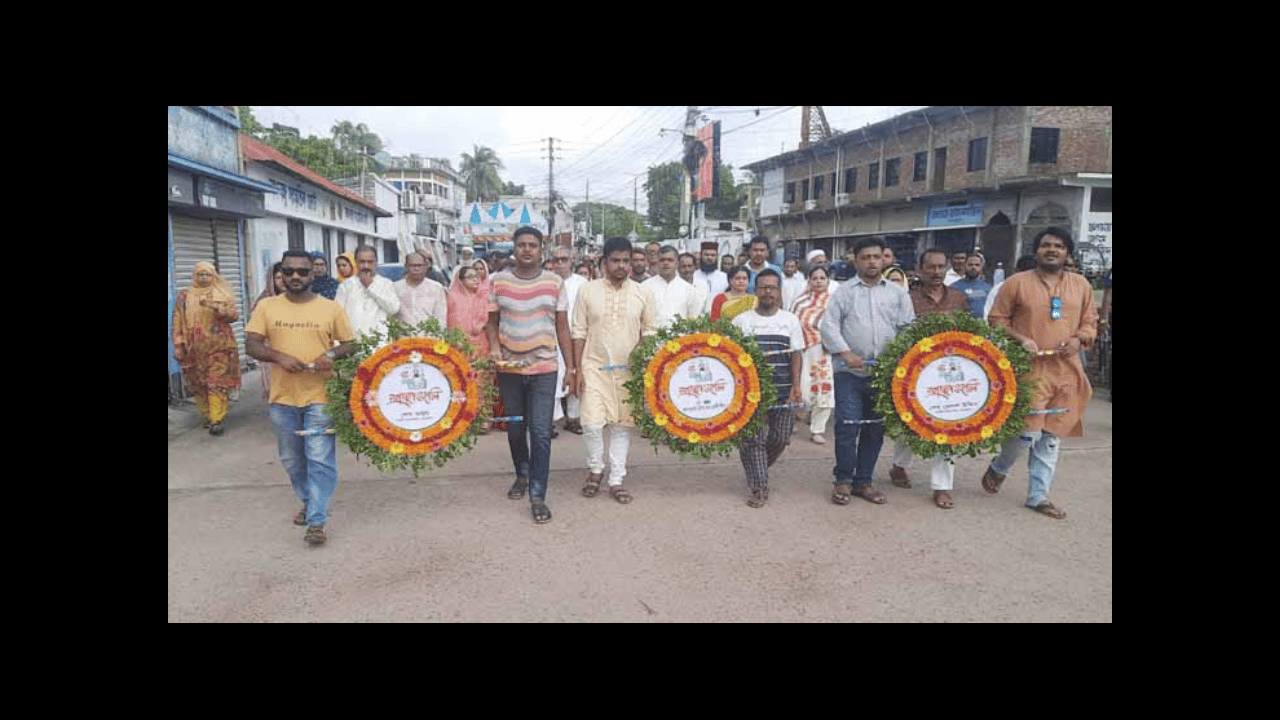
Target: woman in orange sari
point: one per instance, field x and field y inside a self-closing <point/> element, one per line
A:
<point x="469" y="312"/>
<point x="205" y="346"/>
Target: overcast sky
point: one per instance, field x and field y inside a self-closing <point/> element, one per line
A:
<point x="607" y="146"/>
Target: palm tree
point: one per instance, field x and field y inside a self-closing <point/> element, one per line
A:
<point x="480" y="174"/>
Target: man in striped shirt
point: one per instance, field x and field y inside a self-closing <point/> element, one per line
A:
<point x="528" y="319"/>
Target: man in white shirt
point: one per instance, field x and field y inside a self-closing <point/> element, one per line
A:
<point x="674" y="295"/>
<point x="570" y="405"/>
<point x="368" y="298"/>
<point x="779" y="335"/>
<point x="420" y="296"/>
<point x="709" y="274"/>
<point x="793" y="283"/>
<point x="686" y="267"/>
<point x="956" y="271"/>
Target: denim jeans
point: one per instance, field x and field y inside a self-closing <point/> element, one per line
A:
<point x="309" y="460"/>
<point x="1042" y="463"/>
<point x="857" y="446"/>
<point x="534" y="398"/>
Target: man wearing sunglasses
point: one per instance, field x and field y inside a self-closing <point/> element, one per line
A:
<point x="297" y="331"/>
<point x="1050" y="311"/>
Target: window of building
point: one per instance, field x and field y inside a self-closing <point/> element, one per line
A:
<point x="804" y="189"/>
<point x="390" y="251"/>
<point x="891" y="168"/>
<point x="342" y="242"/>
<point x="790" y="196"/>
<point x="873" y="176"/>
<point x="327" y="241"/>
<point x="296" y="238"/>
<point x="817" y="188"/>
<point x="851" y="180"/>
<point x="833" y="184"/>
<point x="1100" y="200"/>
<point x="977" y="154"/>
<point x="922" y="167"/>
<point x="1044" y="145"/>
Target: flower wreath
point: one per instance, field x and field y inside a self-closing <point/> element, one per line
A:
<point x="935" y="336"/>
<point x="358" y="421"/>
<point x="655" y="359"/>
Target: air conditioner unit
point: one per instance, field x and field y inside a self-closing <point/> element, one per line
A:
<point x="408" y="200"/>
<point x="810" y="204"/>
<point x="842" y="199"/>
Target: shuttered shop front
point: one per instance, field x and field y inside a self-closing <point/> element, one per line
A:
<point x="215" y="241"/>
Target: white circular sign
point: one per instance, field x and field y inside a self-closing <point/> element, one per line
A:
<point x="701" y="387"/>
<point x="414" y="396"/>
<point x="952" y="388"/>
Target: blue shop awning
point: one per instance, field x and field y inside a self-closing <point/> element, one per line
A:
<point x="223" y="175"/>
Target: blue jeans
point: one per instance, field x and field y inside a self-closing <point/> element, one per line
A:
<point x="857" y="446"/>
<point x="534" y="398"/>
<point x="309" y="460"/>
<point x="1042" y="463"/>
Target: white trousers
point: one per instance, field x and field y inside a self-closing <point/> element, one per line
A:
<point x="575" y="407"/>
<point x="619" y="446"/>
<point x="942" y="470"/>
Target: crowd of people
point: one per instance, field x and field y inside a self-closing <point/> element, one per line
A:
<point x="560" y="333"/>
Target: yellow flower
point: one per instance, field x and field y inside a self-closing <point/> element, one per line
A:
<point x="925" y="345"/>
<point x="753" y="396"/>
<point x="396" y="448"/>
<point x="713" y="340"/>
<point x="901" y="372"/>
<point x="660" y="419"/>
<point x="673" y="346"/>
<point x="940" y="438"/>
<point x="987" y="432"/>
<point x="906" y="417"/>
<point x="1003" y="364"/>
<point x="446" y="424"/>
<point x="441" y="347"/>
<point x="1010" y="398"/>
<point x="648" y="380"/>
<point x="693" y="437"/>
<point x="975" y="340"/>
<point x="733" y="428"/>
<point x="744" y="360"/>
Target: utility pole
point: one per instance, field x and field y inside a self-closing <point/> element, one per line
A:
<point x="551" y="188"/>
<point x="691" y="116"/>
<point x="589" y="235"/>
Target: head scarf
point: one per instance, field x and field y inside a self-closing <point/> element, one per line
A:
<point x="337" y="274"/>
<point x="270" y="290"/>
<point x="469" y="311"/>
<point x="217" y="291"/>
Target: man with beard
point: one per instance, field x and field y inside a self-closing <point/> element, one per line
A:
<point x="610" y="316"/>
<point x="1047" y="309"/>
<point x="973" y="286"/>
<point x="688" y="267"/>
<point x="713" y="280"/>
<point x="779" y="335"/>
<point x="297" y="331"/>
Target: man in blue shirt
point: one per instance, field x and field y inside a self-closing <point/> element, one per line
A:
<point x="975" y="289"/>
<point x="758" y="260"/>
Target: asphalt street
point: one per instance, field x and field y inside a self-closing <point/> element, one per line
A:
<point x="450" y="546"/>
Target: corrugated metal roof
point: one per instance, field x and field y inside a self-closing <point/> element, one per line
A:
<point x="261" y="152"/>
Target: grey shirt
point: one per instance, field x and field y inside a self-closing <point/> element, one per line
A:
<point x="862" y="319"/>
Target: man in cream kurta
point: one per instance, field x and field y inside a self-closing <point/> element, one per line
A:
<point x="608" y="319"/>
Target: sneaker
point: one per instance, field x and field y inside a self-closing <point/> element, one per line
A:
<point x="315" y="535"/>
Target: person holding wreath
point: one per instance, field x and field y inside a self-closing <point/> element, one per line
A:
<point x="204" y="344"/>
<point x="609" y="318"/>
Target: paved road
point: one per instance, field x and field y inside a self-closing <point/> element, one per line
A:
<point x="450" y="547"/>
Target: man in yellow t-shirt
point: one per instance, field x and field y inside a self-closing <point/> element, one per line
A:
<point x="301" y="329"/>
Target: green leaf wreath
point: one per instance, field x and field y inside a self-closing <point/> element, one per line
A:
<point x="338" y="389"/>
<point x="642" y="415"/>
<point x="882" y="374"/>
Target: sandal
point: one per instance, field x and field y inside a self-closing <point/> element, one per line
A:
<point x="593" y="484"/>
<point x="517" y="490"/>
<point x="841" y="494"/>
<point x="870" y="494"/>
<point x="1047" y="508"/>
<point x="300" y="517"/>
<point x="758" y="498"/>
<point x="620" y="494"/>
<point x="942" y="499"/>
<point x="541" y="514"/>
<point x="574" y="426"/>
<point x="991" y="481"/>
<point x="898" y="476"/>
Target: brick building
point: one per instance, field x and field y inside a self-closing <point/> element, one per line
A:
<point x="961" y="177"/>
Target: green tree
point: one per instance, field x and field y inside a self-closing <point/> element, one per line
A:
<point x="663" y="188"/>
<point x="614" y="220"/>
<point x="479" y="172"/>
<point x="511" y="188"/>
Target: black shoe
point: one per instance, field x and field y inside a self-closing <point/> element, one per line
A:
<point x="517" y="490"/>
<point x="215" y="429"/>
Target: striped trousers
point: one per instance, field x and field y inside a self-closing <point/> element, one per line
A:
<point x="758" y="453"/>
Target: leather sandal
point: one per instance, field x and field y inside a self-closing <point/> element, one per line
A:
<point x="942" y="499"/>
<point x="870" y="494"/>
<point x="517" y="490"/>
<point x="592" y="485"/>
<point x="758" y="498"/>
<point x="991" y="481"/>
<point x="898" y="476"/>
<point x="541" y="514"/>
<point x="620" y="494"/>
<point x="842" y="493"/>
<point x="1048" y="508"/>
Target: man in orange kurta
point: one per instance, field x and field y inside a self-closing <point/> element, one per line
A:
<point x="1047" y="309"/>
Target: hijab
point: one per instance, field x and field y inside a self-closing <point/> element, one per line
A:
<point x="270" y="290"/>
<point x="219" y="290"/>
<point x="467" y="310"/>
<point x="337" y="273"/>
